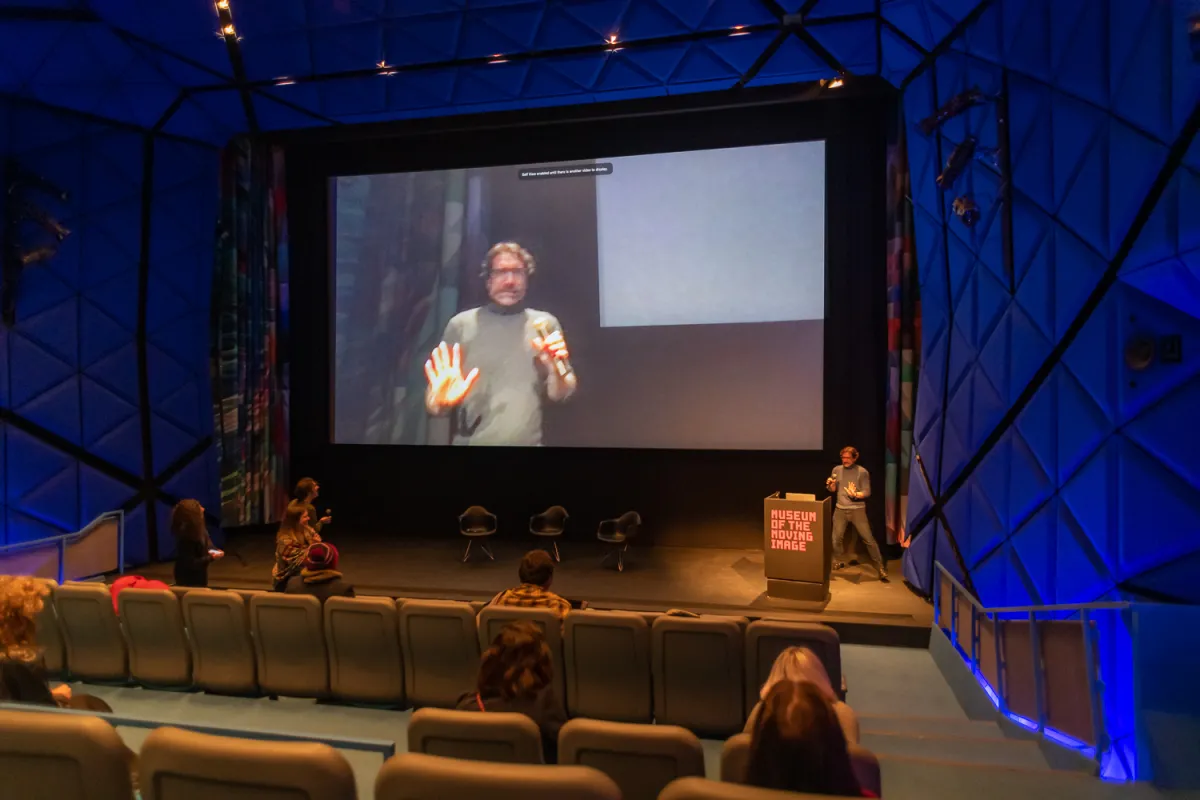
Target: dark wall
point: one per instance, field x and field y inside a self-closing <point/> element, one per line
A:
<point x="709" y="498"/>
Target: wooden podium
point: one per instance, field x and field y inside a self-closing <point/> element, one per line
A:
<point x="796" y="546"/>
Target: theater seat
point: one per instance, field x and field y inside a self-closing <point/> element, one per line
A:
<point x="606" y="658"/>
<point x="492" y="620"/>
<point x="697" y="664"/>
<point x="440" y="646"/>
<point x="363" y="635"/>
<point x="497" y="737"/>
<point x="46" y="756"/>
<point x="416" y="776"/>
<point x="159" y="654"/>
<point x="640" y="759"/>
<point x="49" y="636"/>
<point x="704" y="789"/>
<point x="735" y="755"/>
<point x="91" y="632"/>
<point x="222" y="649"/>
<point x="289" y="645"/>
<point x="766" y="639"/>
<point x="180" y="765"/>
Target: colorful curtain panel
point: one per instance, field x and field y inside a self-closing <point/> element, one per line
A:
<point x="249" y="322"/>
<point x="904" y="335"/>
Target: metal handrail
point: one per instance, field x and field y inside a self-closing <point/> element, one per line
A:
<point x="62" y="540"/>
<point x="978" y="610"/>
<point x="382" y="746"/>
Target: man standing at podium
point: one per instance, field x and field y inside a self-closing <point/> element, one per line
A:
<point x="852" y="483"/>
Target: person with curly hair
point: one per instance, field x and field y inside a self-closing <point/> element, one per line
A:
<point x="516" y="675"/>
<point x="194" y="549"/>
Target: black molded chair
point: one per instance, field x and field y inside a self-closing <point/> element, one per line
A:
<point x="617" y="534"/>
<point x="549" y="524"/>
<point x="476" y="523"/>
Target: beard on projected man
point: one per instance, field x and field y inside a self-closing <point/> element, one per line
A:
<point x="498" y="363"/>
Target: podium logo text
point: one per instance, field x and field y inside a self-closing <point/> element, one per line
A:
<point x="791" y="530"/>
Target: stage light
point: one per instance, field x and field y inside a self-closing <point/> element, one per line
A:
<point x="836" y="83"/>
<point x="966" y="210"/>
<point x="284" y="81"/>
<point x="227" y="30"/>
<point x="36" y="255"/>
<point x="952" y="108"/>
<point x="959" y="158"/>
<point x="737" y="30"/>
<point x="498" y="59"/>
<point x="223" y="5"/>
<point x="612" y="39"/>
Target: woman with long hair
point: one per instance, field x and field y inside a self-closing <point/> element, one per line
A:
<point x="801" y="665"/>
<point x="194" y="549"/>
<point x="516" y="675"/>
<point x="798" y="746"/>
<point x="291" y="545"/>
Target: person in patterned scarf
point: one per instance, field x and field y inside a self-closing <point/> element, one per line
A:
<point x="291" y="545"/>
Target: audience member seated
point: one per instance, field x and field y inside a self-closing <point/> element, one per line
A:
<point x="797" y="744"/>
<point x="306" y="491"/>
<point x="22" y="669"/>
<point x="516" y="675"/>
<point x="131" y="582"/>
<point x="536" y="574"/>
<point x="320" y="576"/>
<point x="800" y="665"/>
<point x="194" y="550"/>
<point x="291" y="545"/>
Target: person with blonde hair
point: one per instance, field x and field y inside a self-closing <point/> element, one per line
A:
<point x="801" y="665"/>
<point x="292" y="541"/>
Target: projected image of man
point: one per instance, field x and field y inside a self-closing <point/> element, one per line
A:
<point x="498" y="363"/>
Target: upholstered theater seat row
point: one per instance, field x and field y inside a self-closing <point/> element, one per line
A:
<point x="73" y="757"/>
<point x="701" y="673"/>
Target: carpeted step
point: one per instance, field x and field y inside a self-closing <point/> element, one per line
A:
<point x="931" y="726"/>
<point x="988" y="751"/>
<point x="922" y="779"/>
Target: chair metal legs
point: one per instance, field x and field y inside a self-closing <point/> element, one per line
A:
<point x="620" y="553"/>
<point x="556" y="555"/>
<point x="486" y="551"/>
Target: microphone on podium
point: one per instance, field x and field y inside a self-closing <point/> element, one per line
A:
<point x="544" y="329"/>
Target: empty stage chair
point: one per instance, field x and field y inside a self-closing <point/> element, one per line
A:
<point x="641" y="759"/>
<point x="289" y="645"/>
<point x="477" y="523"/>
<point x="697" y="664"/>
<point x="766" y="639"/>
<point x="46" y="756"/>
<point x="49" y="635"/>
<point x="549" y="524"/>
<point x="416" y="776"/>
<point x="492" y="620"/>
<point x="158" y="648"/>
<point x="498" y="737"/>
<point x="363" y="635"/>
<point x="617" y="534"/>
<point x="704" y="789"/>
<point x="180" y="765"/>
<point x="91" y="632"/>
<point x="441" y="651"/>
<point x="735" y="755"/>
<point x="222" y="648"/>
<point x="606" y="658"/>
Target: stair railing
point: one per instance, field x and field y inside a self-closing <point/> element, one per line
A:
<point x="65" y="548"/>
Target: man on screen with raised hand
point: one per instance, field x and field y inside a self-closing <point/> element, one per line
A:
<point x="498" y="363"/>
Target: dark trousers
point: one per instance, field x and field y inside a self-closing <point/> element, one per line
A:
<point x="858" y="518"/>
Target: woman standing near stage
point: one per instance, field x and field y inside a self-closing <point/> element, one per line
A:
<point x="194" y="551"/>
<point x="291" y="545"/>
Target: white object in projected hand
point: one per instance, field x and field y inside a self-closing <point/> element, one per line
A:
<point x="447" y="385"/>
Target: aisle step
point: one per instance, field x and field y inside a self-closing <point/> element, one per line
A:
<point x="931" y="726"/>
<point x="961" y="749"/>
<point x="922" y="779"/>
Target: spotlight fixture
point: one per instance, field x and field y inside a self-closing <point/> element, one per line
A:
<point x="959" y="158"/>
<point x="284" y="81"/>
<point x="966" y="210"/>
<point x="738" y="30"/>
<point x="223" y="5"/>
<point x="952" y="108"/>
<point x="227" y="30"/>
<point x="836" y="83"/>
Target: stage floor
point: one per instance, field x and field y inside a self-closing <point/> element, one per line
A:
<point x="699" y="579"/>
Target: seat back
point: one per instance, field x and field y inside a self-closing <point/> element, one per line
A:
<point x="363" y="635"/>
<point x="866" y="769"/>
<point x="222" y="649"/>
<point x="641" y="759"/>
<point x="497" y="737"/>
<point x="477" y="518"/>
<point x="553" y="519"/>
<point x="289" y="645"/>
<point x="628" y="523"/>
<point x="704" y="789"/>
<point x="766" y="639"/>
<point x="697" y="664"/>
<point x="61" y="757"/>
<point x="181" y="765"/>
<point x="159" y="654"/>
<point x="416" y="776"/>
<point x="606" y="658"/>
<point x="735" y="756"/>
<point x="492" y="620"/>
<point x="91" y="632"/>
<point x="49" y="635"/>
<point x="440" y="647"/>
